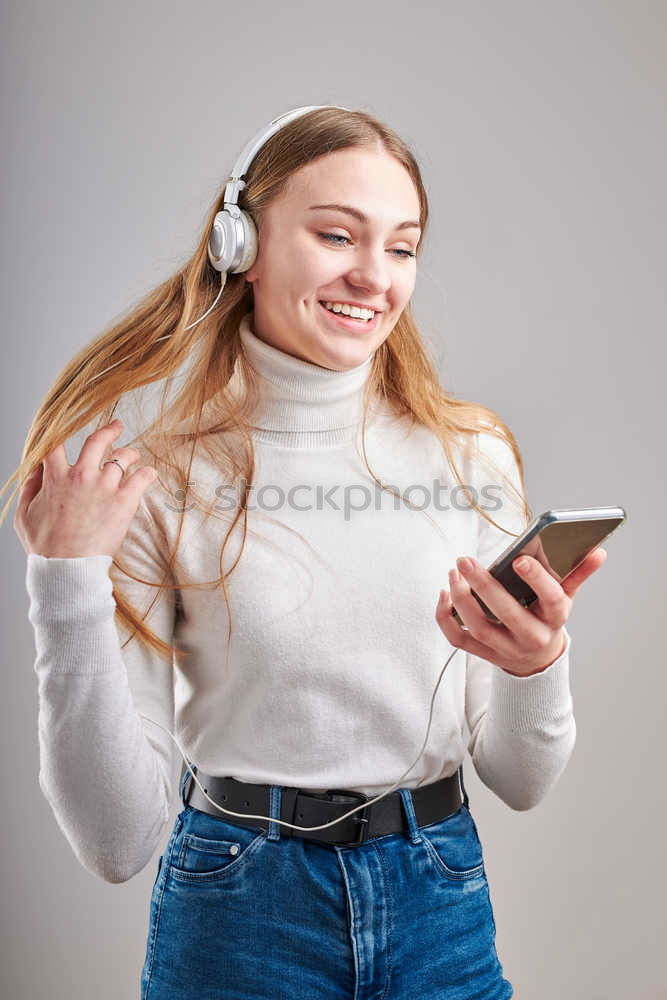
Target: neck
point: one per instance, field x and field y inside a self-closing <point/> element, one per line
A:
<point x="303" y="405"/>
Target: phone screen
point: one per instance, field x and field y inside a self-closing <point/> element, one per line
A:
<point x="560" y="546"/>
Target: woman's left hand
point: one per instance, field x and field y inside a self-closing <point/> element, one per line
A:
<point x="529" y="639"/>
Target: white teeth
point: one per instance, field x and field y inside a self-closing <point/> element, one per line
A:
<point x="354" y="311"/>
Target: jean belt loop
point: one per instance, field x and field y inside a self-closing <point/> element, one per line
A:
<point x="409" y="808"/>
<point x="275" y="801"/>
<point x="185" y="778"/>
<point x="463" y="787"/>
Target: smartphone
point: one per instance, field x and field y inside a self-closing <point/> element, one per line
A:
<point x="560" y="540"/>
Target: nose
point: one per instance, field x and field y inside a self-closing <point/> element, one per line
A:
<point x="371" y="273"/>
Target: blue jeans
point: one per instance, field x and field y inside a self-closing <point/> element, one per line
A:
<point x="241" y="913"/>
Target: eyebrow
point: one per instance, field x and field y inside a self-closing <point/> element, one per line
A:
<point x="360" y="215"/>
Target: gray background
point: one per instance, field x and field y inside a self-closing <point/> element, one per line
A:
<point x="540" y="131"/>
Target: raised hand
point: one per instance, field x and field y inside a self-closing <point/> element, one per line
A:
<point x="68" y="511"/>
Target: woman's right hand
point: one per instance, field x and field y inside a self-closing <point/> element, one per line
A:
<point x="67" y="511"/>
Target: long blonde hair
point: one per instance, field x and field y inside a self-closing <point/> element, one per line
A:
<point x="151" y="343"/>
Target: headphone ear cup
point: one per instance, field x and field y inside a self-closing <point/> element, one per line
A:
<point x="221" y="242"/>
<point x="250" y="244"/>
<point x="226" y="236"/>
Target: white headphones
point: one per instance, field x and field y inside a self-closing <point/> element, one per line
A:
<point x="233" y="243"/>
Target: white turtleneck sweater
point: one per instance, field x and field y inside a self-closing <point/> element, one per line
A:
<point x="335" y="651"/>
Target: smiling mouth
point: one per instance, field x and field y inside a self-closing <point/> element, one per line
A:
<point x="350" y="322"/>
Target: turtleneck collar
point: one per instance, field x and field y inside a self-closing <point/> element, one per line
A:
<point x="303" y="405"/>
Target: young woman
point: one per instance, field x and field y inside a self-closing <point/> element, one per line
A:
<point x="276" y="587"/>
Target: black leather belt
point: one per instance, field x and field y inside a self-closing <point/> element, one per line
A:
<point x="303" y="808"/>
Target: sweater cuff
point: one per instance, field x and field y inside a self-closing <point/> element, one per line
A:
<point x="69" y="591"/>
<point x="525" y="703"/>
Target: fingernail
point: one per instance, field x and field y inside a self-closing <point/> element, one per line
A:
<point x="522" y="564"/>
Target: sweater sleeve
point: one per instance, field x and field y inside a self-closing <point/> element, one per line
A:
<point x="522" y="729"/>
<point x="106" y="773"/>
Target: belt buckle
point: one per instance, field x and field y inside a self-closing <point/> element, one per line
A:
<point x="362" y="820"/>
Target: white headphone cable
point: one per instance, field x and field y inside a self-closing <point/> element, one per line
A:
<point x="223" y="280"/>
<point x="339" y="818"/>
<point x="223" y="277"/>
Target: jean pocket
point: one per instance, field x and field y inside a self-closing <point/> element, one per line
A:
<point x="210" y="859"/>
<point x="454" y="846"/>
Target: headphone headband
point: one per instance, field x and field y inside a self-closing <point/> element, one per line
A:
<point x="232" y="246"/>
<point x="250" y="150"/>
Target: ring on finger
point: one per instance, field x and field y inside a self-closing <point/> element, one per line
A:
<point x="114" y="461"/>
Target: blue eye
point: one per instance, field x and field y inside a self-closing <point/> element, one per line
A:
<point x="336" y="236"/>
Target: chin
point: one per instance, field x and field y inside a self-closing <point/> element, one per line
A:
<point x="344" y="357"/>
